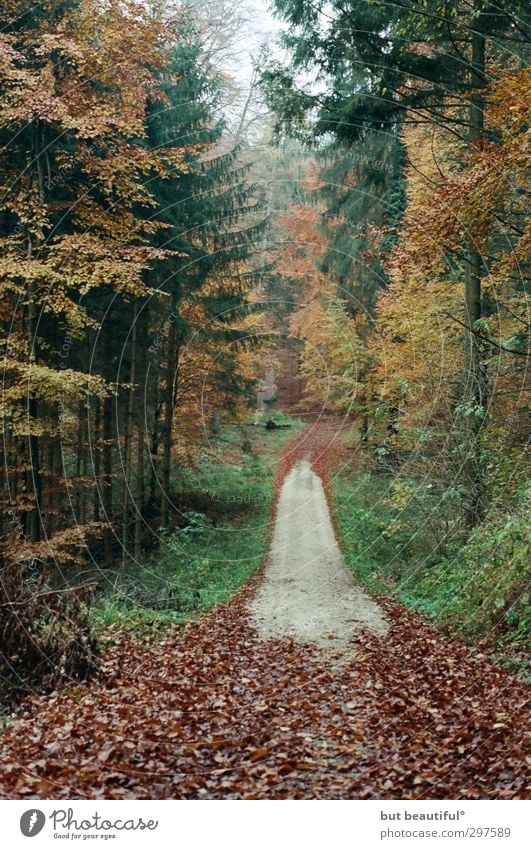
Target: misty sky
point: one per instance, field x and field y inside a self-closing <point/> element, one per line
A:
<point x="263" y="27"/>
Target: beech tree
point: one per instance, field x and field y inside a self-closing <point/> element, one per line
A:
<point x="73" y="172"/>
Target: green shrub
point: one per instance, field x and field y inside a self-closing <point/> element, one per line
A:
<point x="397" y="535"/>
<point x="485" y="589"/>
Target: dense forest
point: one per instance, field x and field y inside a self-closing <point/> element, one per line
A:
<point x="354" y="202"/>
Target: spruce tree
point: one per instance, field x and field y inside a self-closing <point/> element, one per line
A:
<point x="210" y="225"/>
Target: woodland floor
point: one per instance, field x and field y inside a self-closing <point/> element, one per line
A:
<point x="212" y="710"/>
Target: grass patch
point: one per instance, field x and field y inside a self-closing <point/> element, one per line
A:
<point x="399" y="537"/>
<point x="222" y="539"/>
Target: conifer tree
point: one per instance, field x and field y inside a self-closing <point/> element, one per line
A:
<point x="209" y="224"/>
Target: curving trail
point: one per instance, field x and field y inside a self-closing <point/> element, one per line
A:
<point x="307" y="592"/>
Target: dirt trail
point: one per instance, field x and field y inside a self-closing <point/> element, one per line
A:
<point x="307" y="592"/>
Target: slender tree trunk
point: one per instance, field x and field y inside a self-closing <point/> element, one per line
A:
<point x="33" y="475"/>
<point x="143" y="322"/>
<point x="107" y="433"/>
<point x="169" y="402"/>
<point x="79" y="455"/>
<point x="53" y="483"/>
<point x="84" y="467"/>
<point x="16" y="476"/>
<point x="139" y="490"/>
<point x="97" y="459"/>
<point x="128" y="434"/>
<point x="34" y="483"/>
<point x="107" y="499"/>
<point x="474" y="378"/>
<point x="364" y="426"/>
<point x="154" y="444"/>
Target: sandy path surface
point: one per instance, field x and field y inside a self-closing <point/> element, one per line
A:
<point x="308" y="593"/>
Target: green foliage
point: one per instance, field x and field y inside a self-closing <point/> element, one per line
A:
<point x="201" y="209"/>
<point x="484" y="590"/>
<point x="393" y="536"/>
<point x="377" y="519"/>
<point x="366" y="52"/>
<point x="363" y="188"/>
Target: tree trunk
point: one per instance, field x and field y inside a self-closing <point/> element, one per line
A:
<point x="143" y="321"/>
<point x="474" y="377"/>
<point x="52" y="495"/>
<point x="154" y="444"/>
<point x="34" y="476"/>
<point x="84" y="465"/>
<point x="139" y="490"/>
<point x="79" y="459"/>
<point x="169" y="403"/>
<point x="96" y="464"/>
<point x="364" y="426"/>
<point x="128" y="433"/>
<point x="107" y="501"/>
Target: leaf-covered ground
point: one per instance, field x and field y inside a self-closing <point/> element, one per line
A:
<point x="209" y="711"/>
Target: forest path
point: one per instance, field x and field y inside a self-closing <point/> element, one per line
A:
<point x="211" y="710"/>
<point x="307" y="592"/>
